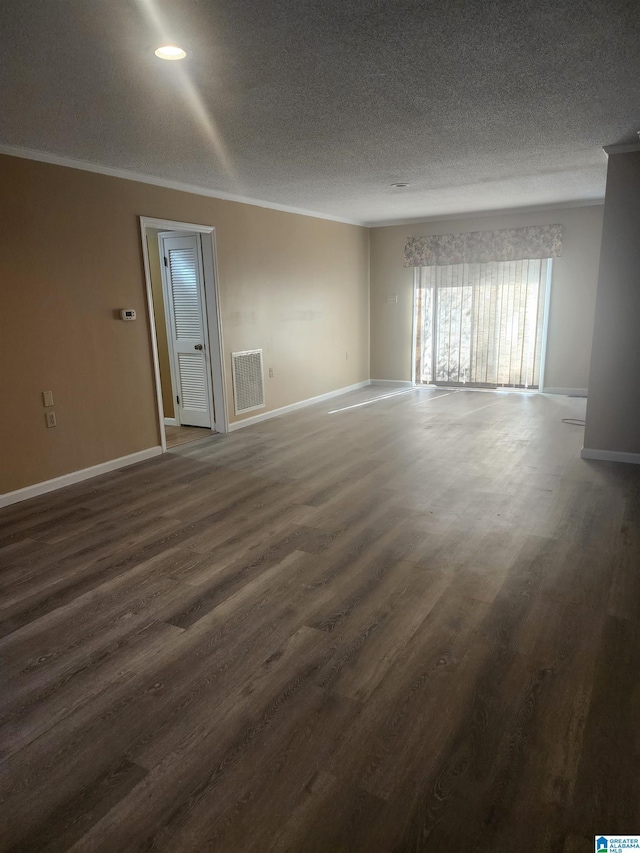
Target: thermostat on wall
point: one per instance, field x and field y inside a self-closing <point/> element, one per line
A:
<point x="127" y="314"/>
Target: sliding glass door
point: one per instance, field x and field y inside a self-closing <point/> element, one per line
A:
<point x="481" y="325"/>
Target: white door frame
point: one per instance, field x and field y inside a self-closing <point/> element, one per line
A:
<point x="212" y="308"/>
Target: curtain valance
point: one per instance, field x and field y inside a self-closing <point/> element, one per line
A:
<point x="482" y="247"/>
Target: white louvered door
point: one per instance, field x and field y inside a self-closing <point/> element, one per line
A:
<point x="185" y="311"/>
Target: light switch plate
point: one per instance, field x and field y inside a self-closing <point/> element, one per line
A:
<point x="47" y="398"/>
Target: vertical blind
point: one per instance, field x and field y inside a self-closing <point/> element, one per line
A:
<point x="480" y="324"/>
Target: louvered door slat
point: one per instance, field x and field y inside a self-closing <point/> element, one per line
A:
<point x="192" y="382"/>
<point x="187" y="314"/>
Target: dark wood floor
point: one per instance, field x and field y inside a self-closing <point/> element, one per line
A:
<point x="408" y="625"/>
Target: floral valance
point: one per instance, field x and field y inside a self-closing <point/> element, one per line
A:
<point x="482" y="247"/>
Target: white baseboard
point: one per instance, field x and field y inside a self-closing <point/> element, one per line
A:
<point x="568" y="392"/>
<point x="265" y="416"/>
<point x="405" y="383"/>
<point x="171" y="422"/>
<point x="610" y="455"/>
<point x="77" y="476"/>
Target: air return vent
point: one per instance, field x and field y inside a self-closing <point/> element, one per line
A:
<point x="248" y="385"/>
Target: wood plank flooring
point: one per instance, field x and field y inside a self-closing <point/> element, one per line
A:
<point x="177" y="435"/>
<point x="406" y="624"/>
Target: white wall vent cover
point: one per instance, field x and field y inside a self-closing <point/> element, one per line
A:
<point x="248" y="383"/>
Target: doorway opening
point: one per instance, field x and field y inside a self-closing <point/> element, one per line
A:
<point x="183" y="301"/>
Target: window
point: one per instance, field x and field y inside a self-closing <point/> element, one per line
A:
<point x="481" y="324"/>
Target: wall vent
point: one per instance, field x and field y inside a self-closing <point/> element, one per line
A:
<point x="248" y="384"/>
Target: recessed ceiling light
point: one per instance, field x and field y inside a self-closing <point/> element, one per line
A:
<point x="399" y="184"/>
<point x="170" y="51"/>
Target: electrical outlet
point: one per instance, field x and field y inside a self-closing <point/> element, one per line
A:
<point x="271" y="373"/>
<point x="50" y="418"/>
<point x="47" y="398"/>
<point x="393" y="299"/>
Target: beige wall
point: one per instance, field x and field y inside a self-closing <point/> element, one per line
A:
<point x="71" y="256"/>
<point x="572" y="297"/>
<point x="613" y="408"/>
<point x="160" y="318"/>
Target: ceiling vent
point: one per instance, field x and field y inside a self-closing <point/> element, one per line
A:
<point x="248" y="383"/>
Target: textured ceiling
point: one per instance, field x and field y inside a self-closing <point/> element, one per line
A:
<point x="322" y="104"/>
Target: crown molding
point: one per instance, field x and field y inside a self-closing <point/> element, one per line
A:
<point x="623" y="148"/>
<point x="508" y="211"/>
<point x="139" y="177"/>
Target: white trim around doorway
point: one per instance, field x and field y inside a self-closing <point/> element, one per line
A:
<point x="214" y="325"/>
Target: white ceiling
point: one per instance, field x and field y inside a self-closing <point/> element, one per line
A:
<point x="322" y="104"/>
